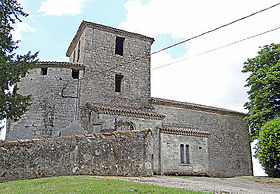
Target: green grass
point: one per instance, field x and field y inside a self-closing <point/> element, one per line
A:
<point x="82" y="184"/>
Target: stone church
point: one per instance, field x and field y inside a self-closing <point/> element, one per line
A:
<point x="106" y="86"/>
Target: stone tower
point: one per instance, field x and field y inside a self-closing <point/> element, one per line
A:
<point x="117" y="65"/>
<point x="108" y="66"/>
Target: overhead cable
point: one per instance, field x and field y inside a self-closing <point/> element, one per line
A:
<point x="217" y="48"/>
<point x="209" y="31"/>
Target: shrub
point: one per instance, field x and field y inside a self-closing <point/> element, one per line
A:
<point x="268" y="147"/>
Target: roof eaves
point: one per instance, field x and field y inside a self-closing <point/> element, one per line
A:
<point x="101" y="27"/>
<point x="193" y="106"/>
<point x="132" y="112"/>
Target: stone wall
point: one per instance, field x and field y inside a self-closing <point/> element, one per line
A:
<point x="228" y="146"/>
<point x="171" y="157"/>
<point x="102" y="64"/>
<point x="54" y="104"/>
<point x="119" y="153"/>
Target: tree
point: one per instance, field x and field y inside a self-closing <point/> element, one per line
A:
<point x="12" y="67"/>
<point x="268" y="147"/>
<point x="264" y="83"/>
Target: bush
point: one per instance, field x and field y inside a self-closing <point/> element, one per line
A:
<point x="268" y="147"/>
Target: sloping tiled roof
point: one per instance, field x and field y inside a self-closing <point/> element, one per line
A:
<point x="193" y="106"/>
<point x="184" y="131"/>
<point x="131" y="112"/>
<point x="43" y="64"/>
<point x="85" y="24"/>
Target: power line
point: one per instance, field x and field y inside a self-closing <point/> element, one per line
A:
<point x="209" y="31"/>
<point x="217" y="48"/>
<point x="139" y="58"/>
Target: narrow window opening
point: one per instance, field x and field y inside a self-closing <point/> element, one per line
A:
<point x="74" y="56"/>
<point x="119" y="46"/>
<point x="187" y="154"/>
<point x="79" y="45"/>
<point x="182" y="153"/>
<point x="75" y="73"/>
<point x="44" y="71"/>
<point x="118" y="82"/>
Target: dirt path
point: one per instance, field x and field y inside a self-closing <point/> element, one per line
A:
<point x="217" y="185"/>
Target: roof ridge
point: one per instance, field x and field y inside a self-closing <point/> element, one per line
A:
<point x="193" y="106"/>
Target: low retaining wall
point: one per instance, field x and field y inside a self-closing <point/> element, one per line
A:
<point x="117" y="153"/>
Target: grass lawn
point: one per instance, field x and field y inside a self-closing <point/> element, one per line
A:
<point x="81" y="184"/>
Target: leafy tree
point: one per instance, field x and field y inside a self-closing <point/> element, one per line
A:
<point x="12" y="67"/>
<point x="264" y="83"/>
<point x="268" y="147"/>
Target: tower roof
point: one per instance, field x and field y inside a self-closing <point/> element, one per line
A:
<point x="101" y="27"/>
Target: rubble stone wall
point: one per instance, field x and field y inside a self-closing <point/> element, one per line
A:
<point x="228" y="146"/>
<point x="119" y="153"/>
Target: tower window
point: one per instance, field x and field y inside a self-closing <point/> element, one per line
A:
<point x="79" y="45"/>
<point x="44" y="71"/>
<point x="74" y="56"/>
<point x="118" y="82"/>
<point x="119" y="46"/>
<point x="75" y="73"/>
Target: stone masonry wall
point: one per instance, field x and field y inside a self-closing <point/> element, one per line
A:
<point x="170" y="155"/>
<point x="54" y="104"/>
<point x="118" y="153"/>
<point x="228" y="146"/>
<point x="98" y="56"/>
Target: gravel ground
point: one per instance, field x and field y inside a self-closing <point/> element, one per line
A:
<point x="205" y="184"/>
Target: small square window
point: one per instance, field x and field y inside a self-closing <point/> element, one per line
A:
<point x="44" y="71"/>
<point x="119" y="46"/>
<point x="75" y="73"/>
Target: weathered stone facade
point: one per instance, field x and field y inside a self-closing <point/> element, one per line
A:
<point x="106" y="87"/>
<point x="118" y="153"/>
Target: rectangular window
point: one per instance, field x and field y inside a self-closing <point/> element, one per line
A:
<point x="187" y="154"/>
<point x="75" y="73"/>
<point x="44" y="71"/>
<point x="79" y="48"/>
<point x="119" y="46"/>
<point x="118" y="82"/>
<point x="182" y="154"/>
<point x="74" y="56"/>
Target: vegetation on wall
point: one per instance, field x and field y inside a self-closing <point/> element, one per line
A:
<point x="12" y="66"/>
<point x="264" y="105"/>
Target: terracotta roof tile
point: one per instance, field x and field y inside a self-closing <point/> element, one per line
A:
<point x="60" y="64"/>
<point x="184" y="131"/>
<point x="131" y="112"/>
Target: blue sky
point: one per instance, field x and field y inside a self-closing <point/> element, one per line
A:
<point x="213" y="79"/>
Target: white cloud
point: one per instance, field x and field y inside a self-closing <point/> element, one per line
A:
<point x="21" y="2"/>
<point x="215" y="78"/>
<point x="62" y="7"/>
<point x="21" y="27"/>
